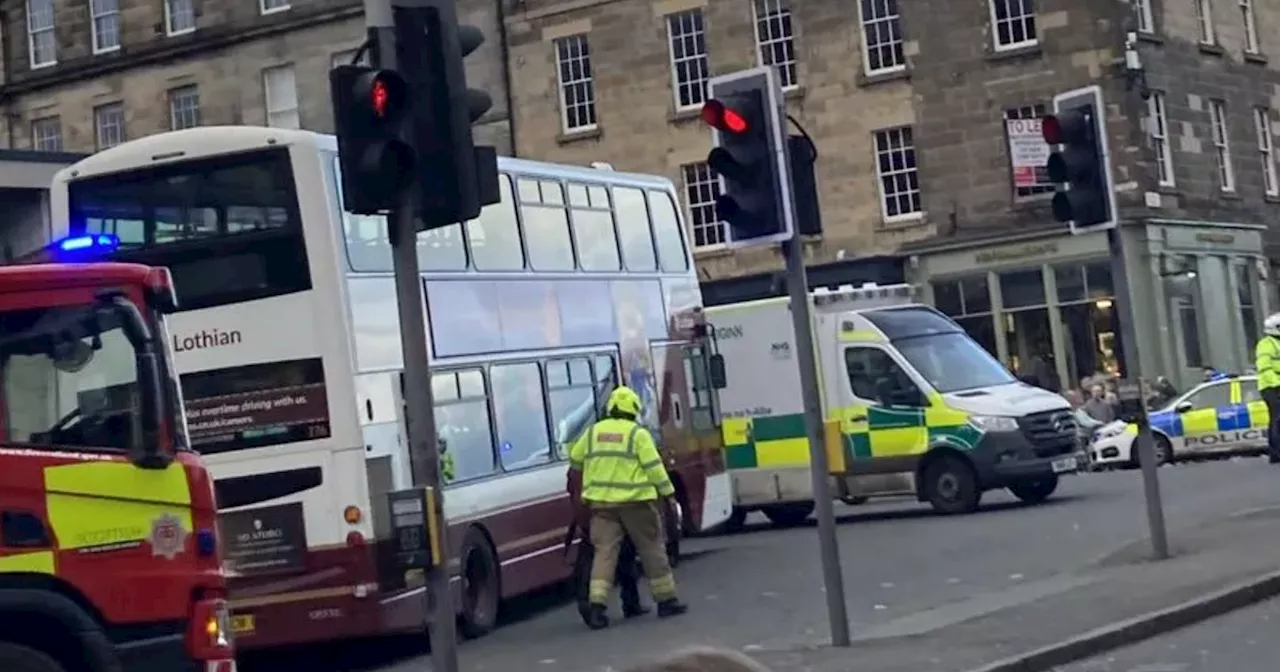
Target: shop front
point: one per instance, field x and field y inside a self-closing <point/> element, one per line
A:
<point x="1046" y="302"/>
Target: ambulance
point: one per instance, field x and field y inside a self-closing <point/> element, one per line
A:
<point x="912" y="406"/>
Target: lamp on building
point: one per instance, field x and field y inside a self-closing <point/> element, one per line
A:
<point x="1179" y="267"/>
<point x="1103" y="304"/>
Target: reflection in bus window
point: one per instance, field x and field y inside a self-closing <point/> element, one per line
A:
<point x="462" y="423"/>
<point x="520" y="414"/>
<point x="442" y="249"/>
<point x="633" y="226"/>
<point x="571" y="395"/>
<point x="495" y="235"/>
<point x="666" y="229"/>
<point x="593" y="228"/>
<point x="606" y="379"/>
<point x="546" y="226"/>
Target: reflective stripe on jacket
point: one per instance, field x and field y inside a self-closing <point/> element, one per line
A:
<point x="1268" y="362"/>
<point x="619" y="464"/>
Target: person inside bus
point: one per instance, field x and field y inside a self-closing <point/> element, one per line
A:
<point x="521" y="416"/>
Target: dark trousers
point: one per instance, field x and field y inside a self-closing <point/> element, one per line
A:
<point x="1272" y="398"/>
<point x="627" y="576"/>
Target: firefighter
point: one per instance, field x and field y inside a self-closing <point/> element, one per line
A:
<point x="622" y="479"/>
<point x="628" y="574"/>
<point x="1268" y="365"/>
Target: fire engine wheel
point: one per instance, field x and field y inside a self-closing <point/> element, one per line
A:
<point x="15" y="658"/>
<point x="481" y="586"/>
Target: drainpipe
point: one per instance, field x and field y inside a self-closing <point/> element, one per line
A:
<point x="506" y="74"/>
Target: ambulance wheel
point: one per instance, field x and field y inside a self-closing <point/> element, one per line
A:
<point x="788" y="515"/>
<point x="1036" y="490"/>
<point x="481" y="586"/>
<point x="950" y="486"/>
<point x="15" y="658"/>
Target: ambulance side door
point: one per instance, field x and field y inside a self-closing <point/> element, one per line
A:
<point x="884" y="418"/>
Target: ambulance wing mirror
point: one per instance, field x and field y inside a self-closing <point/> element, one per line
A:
<point x="1183" y="406"/>
<point x="715" y="366"/>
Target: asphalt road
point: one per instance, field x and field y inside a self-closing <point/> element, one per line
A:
<point x="1242" y="641"/>
<point x="762" y="588"/>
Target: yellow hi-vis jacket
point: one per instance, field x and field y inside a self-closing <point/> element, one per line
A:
<point x="620" y="464"/>
<point x="1268" y="362"/>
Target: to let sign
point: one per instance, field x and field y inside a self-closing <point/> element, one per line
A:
<point x="1028" y="152"/>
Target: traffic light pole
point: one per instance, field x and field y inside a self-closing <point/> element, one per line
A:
<point x="420" y="424"/>
<point x="1144" y="441"/>
<point x="811" y="397"/>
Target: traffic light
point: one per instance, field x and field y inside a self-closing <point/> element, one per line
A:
<point x="457" y="178"/>
<point x="374" y="128"/>
<point x="743" y="110"/>
<point x="1080" y="166"/>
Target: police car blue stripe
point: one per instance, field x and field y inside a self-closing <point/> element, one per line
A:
<point x="1168" y="422"/>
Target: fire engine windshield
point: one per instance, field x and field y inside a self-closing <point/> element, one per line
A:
<point x="67" y="378"/>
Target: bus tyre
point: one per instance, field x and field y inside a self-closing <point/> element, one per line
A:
<point x="672" y="513"/>
<point x="481" y="586"/>
<point x="788" y="515"/>
<point x="1036" y="490"/>
<point x="15" y="658"/>
<point x="950" y="486"/>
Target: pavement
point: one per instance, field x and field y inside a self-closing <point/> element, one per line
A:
<point x="926" y="592"/>
<point x="1242" y="641"/>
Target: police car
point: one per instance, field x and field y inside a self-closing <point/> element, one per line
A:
<point x="1214" y="418"/>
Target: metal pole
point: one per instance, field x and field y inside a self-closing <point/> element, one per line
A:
<point x="828" y="544"/>
<point x="1144" y="441"/>
<point x="420" y="421"/>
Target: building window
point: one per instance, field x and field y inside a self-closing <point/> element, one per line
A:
<point x="281" y="92"/>
<point x="577" y="87"/>
<point x="687" y="36"/>
<point x="1250" y="20"/>
<point x="1248" y="312"/>
<point x="1033" y="182"/>
<point x="1204" y="18"/>
<point x="899" y="179"/>
<point x="41" y="41"/>
<point x="1222" y="145"/>
<point x="272" y="6"/>
<point x="1266" y="150"/>
<point x="882" y="42"/>
<point x="184" y="108"/>
<point x="179" y="16"/>
<point x="46" y="134"/>
<point x="1158" y="126"/>
<point x="776" y="40"/>
<point x="1142" y="14"/>
<point x="108" y="124"/>
<point x="1014" y="23"/>
<point x="106" y="25"/>
<point x="701" y="188"/>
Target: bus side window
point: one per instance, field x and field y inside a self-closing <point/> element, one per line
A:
<point x="494" y="236"/>
<point x="666" y="230"/>
<point x="462" y="423"/>
<point x="633" y="227"/>
<point x="571" y="396"/>
<point x="520" y="414"/>
<point x="546" y="225"/>
<point x="593" y="232"/>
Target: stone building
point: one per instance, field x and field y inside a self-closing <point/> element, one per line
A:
<point x="82" y="75"/>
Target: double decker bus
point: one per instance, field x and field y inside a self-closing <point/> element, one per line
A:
<point x="287" y="343"/>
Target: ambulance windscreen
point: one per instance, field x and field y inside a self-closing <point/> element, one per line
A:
<point x="939" y="349"/>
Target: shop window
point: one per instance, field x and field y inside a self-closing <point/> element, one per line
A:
<point x="1026" y="327"/>
<point x="1087" y="311"/>
<point x="1188" y="320"/>
<point x="1022" y="289"/>
<point x="1248" y="314"/>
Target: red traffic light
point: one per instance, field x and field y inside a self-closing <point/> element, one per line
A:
<point x="385" y="91"/>
<point x="1051" y="129"/>
<point x="381" y="97"/>
<point x="723" y="118"/>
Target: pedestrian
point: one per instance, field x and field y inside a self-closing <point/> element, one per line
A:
<point x="628" y="574"/>
<point x="622" y="479"/>
<point x="1098" y="407"/>
<point x="1267" y="355"/>
<point x="703" y="660"/>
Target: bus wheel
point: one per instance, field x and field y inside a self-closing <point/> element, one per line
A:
<point x="481" y="586"/>
<point x="15" y="658"/>
<point x="950" y="486"/>
<point x="1036" y="490"/>
<point x="672" y="530"/>
<point x="788" y="515"/>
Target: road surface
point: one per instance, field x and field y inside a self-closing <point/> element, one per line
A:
<point x="762" y="588"/>
<point x="1242" y="641"/>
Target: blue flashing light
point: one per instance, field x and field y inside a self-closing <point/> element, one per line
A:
<point x="100" y="243"/>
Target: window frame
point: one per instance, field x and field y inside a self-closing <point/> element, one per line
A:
<point x="1143" y="17"/>
<point x="266" y="7"/>
<point x="574" y="263"/>
<point x="1158" y="131"/>
<point x="94" y="35"/>
<point x="178" y="94"/>
<point x="706" y="179"/>
<point x="885" y="133"/>
<point x="487" y="402"/>
<point x="671" y="202"/>
<point x="1027" y="19"/>
<point x="1204" y="21"/>
<point x="170" y="16"/>
<point x="98" y="113"/>
<point x="1220" y="133"/>
<point x="609" y="209"/>
<point x="295" y="111"/>
<point x="1041" y="190"/>
<point x="648" y="222"/>
<point x="1249" y="21"/>
<point x="38" y="123"/>
<point x="777" y="13"/>
<point x="590" y="359"/>
<point x="864" y="23"/>
<point x="33" y="32"/>
<point x="540" y="365"/>
<point x="561" y="46"/>
<point x="1263" y="127"/>
<point x="672" y="21"/>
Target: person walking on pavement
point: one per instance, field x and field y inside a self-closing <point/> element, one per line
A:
<point x="622" y="479"/>
<point x="1267" y="355"/>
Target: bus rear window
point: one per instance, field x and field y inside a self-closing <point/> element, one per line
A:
<point x="227" y="227"/>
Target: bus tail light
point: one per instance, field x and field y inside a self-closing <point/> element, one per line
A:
<point x="209" y="635"/>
